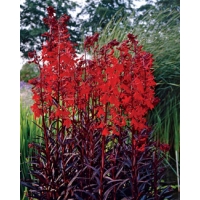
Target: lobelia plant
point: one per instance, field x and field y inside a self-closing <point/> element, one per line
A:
<point x="96" y="142"/>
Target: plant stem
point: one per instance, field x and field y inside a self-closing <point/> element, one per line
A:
<point x="102" y="167"/>
<point x="155" y="174"/>
<point x="102" y="158"/>
<point x="134" y="169"/>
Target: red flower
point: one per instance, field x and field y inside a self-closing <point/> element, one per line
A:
<point x="30" y="145"/>
<point x="113" y="43"/>
<point x="164" y="147"/>
<point x="90" y="40"/>
<point x="50" y="11"/>
<point x="105" y="132"/>
<point x="31" y="54"/>
<point x="33" y="81"/>
<point x="67" y="122"/>
<point x="141" y="149"/>
<point x="65" y="18"/>
<point x="156" y="101"/>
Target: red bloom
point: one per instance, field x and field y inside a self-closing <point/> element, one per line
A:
<point x="30" y="145"/>
<point x="131" y="37"/>
<point x="34" y="81"/>
<point x="90" y="40"/>
<point x="164" y="147"/>
<point x="65" y="18"/>
<point x="156" y="101"/>
<point x="141" y="149"/>
<point x="31" y="54"/>
<point x="50" y="11"/>
<point x="113" y="43"/>
<point x="105" y="132"/>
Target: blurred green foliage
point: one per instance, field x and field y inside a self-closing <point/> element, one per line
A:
<point x="28" y="71"/>
<point x="29" y="132"/>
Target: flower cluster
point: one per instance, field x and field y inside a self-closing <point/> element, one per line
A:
<point x="113" y="90"/>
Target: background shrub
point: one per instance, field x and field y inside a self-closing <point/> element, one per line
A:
<point x="28" y="71"/>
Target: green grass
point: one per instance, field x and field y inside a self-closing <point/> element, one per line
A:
<point x="28" y="133"/>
